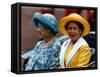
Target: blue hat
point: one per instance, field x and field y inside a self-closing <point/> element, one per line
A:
<point x="47" y="20"/>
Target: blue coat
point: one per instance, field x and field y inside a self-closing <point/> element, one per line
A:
<point x="44" y="57"/>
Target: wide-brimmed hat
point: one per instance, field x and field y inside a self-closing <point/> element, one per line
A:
<point x="77" y="18"/>
<point x="47" y="20"/>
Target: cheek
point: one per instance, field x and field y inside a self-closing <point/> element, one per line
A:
<point x="77" y="32"/>
<point x="43" y="33"/>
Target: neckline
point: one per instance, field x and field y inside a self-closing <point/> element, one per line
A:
<point x="44" y="44"/>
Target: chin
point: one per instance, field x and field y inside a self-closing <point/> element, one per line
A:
<point x="40" y="37"/>
<point x="74" y="40"/>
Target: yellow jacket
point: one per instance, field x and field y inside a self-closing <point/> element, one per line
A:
<point x="81" y="57"/>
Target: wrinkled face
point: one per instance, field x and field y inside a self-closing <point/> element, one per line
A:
<point x="42" y="31"/>
<point x="73" y="31"/>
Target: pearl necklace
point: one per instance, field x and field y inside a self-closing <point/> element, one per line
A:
<point x="44" y="44"/>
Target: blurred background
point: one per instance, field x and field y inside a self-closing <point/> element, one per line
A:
<point x="29" y="36"/>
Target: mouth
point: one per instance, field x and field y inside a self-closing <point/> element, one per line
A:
<point x="72" y="36"/>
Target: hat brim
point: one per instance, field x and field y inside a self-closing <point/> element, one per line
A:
<point x="77" y="18"/>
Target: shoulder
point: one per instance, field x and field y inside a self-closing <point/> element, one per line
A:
<point x="85" y="44"/>
<point x="84" y="49"/>
<point x="56" y="45"/>
<point x="56" y="42"/>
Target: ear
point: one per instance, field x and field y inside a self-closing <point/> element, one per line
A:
<point x="80" y="32"/>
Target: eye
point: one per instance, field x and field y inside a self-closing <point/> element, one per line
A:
<point x="69" y="28"/>
<point x="75" y="28"/>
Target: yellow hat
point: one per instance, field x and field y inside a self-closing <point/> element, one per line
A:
<point x="74" y="17"/>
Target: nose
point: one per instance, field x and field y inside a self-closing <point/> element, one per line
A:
<point x="71" y="30"/>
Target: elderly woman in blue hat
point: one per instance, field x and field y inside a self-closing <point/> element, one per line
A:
<point x="45" y="55"/>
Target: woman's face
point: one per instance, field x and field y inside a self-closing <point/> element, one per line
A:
<point x="42" y="31"/>
<point x="73" y="31"/>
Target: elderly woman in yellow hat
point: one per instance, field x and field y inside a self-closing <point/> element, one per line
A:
<point x="75" y="52"/>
